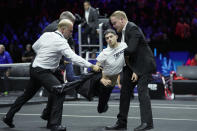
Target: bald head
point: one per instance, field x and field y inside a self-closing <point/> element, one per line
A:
<point x="65" y="26"/>
<point x="64" y="23"/>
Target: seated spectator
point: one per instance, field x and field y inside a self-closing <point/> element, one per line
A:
<point x="193" y="61"/>
<point x="4" y="71"/>
<point x="28" y="55"/>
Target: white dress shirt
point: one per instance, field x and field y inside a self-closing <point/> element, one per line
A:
<point x="87" y="15"/>
<point x="50" y="47"/>
<point x="123" y="33"/>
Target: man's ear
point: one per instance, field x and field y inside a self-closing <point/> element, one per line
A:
<point x="121" y="20"/>
<point x="63" y="30"/>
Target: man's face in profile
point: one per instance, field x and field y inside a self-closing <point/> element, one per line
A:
<point x="117" y="23"/>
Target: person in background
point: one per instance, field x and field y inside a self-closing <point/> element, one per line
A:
<point x="90" y="25"/>
<point x="5" y="58"/>
<point x="28" y="55"/>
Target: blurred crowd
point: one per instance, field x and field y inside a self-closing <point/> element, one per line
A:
<point x="163" y="21"/>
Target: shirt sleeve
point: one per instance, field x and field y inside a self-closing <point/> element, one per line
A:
<point x="35" y="46"/>
<point x="101" y="58"/>
<point x="67" y="52"/>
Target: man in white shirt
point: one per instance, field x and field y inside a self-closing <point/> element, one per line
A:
<point x="49" y="49"/>
<point x="112" y="61"/>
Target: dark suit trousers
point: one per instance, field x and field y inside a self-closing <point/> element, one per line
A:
<point x="104" y="93"/>
<point x="49" y="105"/>
<point x="91" y="32"/>
<point x="143" y="96"/>
<point x="40" y="77"/>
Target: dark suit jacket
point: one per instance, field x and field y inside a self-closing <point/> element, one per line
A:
<point x="51" y="27"/>
<point x="93" y="18"/>
<point x="141" y="58"/>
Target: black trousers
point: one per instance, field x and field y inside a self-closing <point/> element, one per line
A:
<point x="143" y="96"/>
<point x="49" y="106"/>
<point x="91" y="32"/>
<point x="41" y="77"/>
<point x="104" y="93"/>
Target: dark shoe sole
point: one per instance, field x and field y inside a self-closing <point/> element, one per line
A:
<point x="57" y="128"/>
<point x="8" y="123"/>
<point x="107" y="128"/>
<point x="148" y="128"/>
<point x="44" y="118"/>
<point x="103" y="110"/>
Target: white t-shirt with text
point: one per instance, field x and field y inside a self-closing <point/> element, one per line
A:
<point x="112" y="59"/>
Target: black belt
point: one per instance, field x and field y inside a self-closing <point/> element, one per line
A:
<point x="40" y="69"/>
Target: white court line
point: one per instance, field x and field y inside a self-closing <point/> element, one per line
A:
<point x="108" y="117"/>
<point x="153" y="104"/>
<point x="15" y="64"/>
<point x="114" y="104"/>
<point x="156" y="107"/>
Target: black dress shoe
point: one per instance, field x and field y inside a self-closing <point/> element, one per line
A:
<point x="117" y="126"/>
<point x="100" y="110"/>
<point x="8" y="122"/>
<point x="57" y="128"/>
<point x="143" y="127"/>
<point x="44" y="115"/>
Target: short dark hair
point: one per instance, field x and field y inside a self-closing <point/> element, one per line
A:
<point x="110" y="31"/>
<point x="86" y="1"/>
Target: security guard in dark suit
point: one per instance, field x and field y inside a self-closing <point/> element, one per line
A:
<point x="90" y="24"/>
<point x="140" y="64"/>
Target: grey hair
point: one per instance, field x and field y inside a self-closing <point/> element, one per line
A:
<point x="67" y="15"/>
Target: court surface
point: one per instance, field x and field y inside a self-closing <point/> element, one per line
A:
<point x="176" y="115"/>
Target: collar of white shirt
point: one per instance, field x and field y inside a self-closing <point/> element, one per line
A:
<point x="123" y="33"/>
<point x="59" y="33"/>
